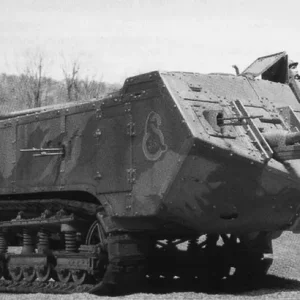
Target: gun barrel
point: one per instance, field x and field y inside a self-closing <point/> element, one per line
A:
<point x="281" y="138"/>
<point x="292" y="138"/>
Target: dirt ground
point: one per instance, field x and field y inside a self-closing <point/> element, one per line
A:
<point x="283" y="282"/>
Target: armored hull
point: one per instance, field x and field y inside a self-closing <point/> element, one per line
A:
<point x="94" y="191"/>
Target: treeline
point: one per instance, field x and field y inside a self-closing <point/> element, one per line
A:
<point x="33" y="88"/>
<point x="19" y="92"/>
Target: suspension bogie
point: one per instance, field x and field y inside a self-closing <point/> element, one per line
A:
<point x="37" y="259"/>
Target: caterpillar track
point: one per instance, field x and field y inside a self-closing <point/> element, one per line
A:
<point x="61" y="252"/>
<point x="8" y="286"/>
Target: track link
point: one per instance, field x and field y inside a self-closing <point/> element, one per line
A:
<point x="51" y="287"/>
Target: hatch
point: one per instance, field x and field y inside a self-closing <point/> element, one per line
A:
<point x="272" y="67"/>
<point x="114" y="151"/>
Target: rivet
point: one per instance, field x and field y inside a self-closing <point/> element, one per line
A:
<point x="98" y="175"/>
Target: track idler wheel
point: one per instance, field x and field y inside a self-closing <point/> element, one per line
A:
<point x="29" y="274"/>
<point x="43" y="273"/>
<point x="64" y="275"/>
<point x="79" y="276"/>
<point x="16" y="273"/>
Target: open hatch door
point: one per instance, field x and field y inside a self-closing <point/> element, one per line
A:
<point x="271" y="67"/>
<point x="274" y="68"/>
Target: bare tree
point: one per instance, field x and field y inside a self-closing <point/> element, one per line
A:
<point x="90" y="88"/>
<point x="80" y="88"/>
<point x="32" y="83"/>
<point x="71" y="79"/>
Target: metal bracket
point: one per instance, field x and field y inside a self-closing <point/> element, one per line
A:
<point x="195" y="87"/>
<point x="131" y="129"/>
<point x="290" y="118"/>
<point x="63" y="123"/>
<point x="239" y="121"/>
<point x="98" y="113"/>
<point x="127" y="107"/>
<point x="253" y="131"/>
<point x="131" y="175"/>
<point x="45" y="151"/>
<point x="97" y="134"/>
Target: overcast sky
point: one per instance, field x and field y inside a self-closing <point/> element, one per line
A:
<point x="114" y="39"/>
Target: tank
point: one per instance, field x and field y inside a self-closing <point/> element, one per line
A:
<point x="177" y="174"/>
